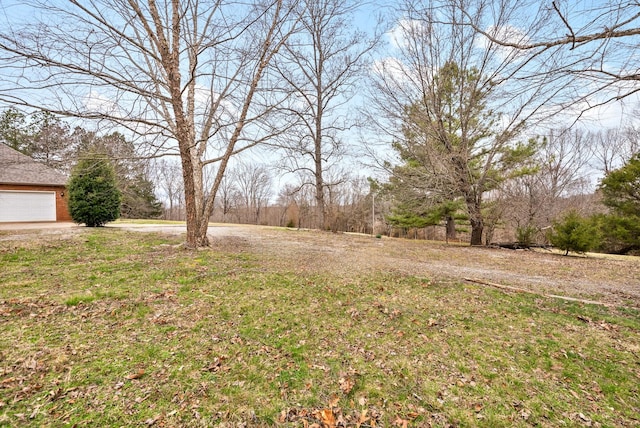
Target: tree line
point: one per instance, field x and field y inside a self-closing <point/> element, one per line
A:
<point x="471" y="111"/>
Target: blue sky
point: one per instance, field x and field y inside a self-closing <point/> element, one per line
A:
<point x="610" y="115"/>
<point x="15" y="11"/>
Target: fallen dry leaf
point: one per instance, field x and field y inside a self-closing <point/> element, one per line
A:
<point x="333" y="401"/>
<point x="326" y="417"/>
<point x="152" y="421"/>
<point x="136" y="375"/>
<point x="399" y="422"/>
<point x="346" y="385"/>
<point x="363" y="418"/>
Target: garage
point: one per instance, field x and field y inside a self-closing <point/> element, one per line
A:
<point x="19" y="206"/>
<point x="30" y="191"/>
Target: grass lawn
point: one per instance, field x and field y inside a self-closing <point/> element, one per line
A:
<point x="113" y="328"/>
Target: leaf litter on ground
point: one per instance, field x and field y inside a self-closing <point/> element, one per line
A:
<point x="281" y="327"/>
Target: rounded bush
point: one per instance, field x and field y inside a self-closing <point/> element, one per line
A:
<point x="574" y="233"/>
<point x="94" y="198"/>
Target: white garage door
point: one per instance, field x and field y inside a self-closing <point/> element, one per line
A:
<point x="27" y="206"/>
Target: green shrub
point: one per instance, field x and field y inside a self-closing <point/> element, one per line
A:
<point x="621" y="193"/>
<point x="619" y="234"/>
<point x="525" y="235"/>
<point x="574" y="233"/>
<point x="94" y="198"/>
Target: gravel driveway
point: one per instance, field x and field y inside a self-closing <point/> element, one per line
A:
<point x="608" y="279"/>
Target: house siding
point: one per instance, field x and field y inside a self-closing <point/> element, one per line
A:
<point x="62" y="208"/>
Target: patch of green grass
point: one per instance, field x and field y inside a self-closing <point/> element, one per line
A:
<point x="77" y="300"/>
<point x="134" y="329"/>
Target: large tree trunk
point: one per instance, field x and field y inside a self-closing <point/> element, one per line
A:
<point x="451" y="228"/>
<point x="474" y="204"/>
<point x="190" y="197"/>
<point x="197" y="220"/>
<point x="477" y="225"/>
<point x="320" y="213"/>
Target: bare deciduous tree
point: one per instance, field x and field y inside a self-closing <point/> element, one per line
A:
<point x="299" y="200"/>
<point x="322" y="64"/>
<point x="533" y="201"/>
<point x="167" y="177"/>
<point x="188" y="77"/>
<point x="228" y="196"/>
<point x="253" y="184"/>
<point x="611" y="148"/>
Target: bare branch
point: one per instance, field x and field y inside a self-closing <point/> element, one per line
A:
<point x="186" y="77"/>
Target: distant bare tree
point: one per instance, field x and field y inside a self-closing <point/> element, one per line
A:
<point x="322" y="63"/>
<point x="563" y="158"/>
<point x="350" y="206"/>
<point x="168" y="180"/>
<point x="290" y="212"/>
<point x="611" y="148"/>
<point x="253" y="185"/>
<point x="560" y="171"/>
<point x="301" y="197"/>
<point x="187" y="77"/>
<point x="228" y="195"/>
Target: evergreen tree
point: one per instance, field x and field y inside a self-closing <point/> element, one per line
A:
<point x="138" y="197"/>
<point x="41" y="135"/>
<point x="621" y="192"/>
<point x="453" y="149"/>
<point x="139" y="201"/>
<point x="94" y="198"/>
<point x="574" y="233"/>
<point x="621" y="188"/>
<point x="13" y="130"/>
<point x="50" y="141"/>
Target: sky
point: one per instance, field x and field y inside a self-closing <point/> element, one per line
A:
<point x="609" y="115"/>
<point x="365" y="19"/>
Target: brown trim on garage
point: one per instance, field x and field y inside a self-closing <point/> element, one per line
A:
<point x="20" y="172"/>
<point x="62" y="208"/>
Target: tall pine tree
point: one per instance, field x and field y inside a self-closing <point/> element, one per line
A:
<point x="452" y="149"/>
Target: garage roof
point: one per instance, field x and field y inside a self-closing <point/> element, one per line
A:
<point x="16" y="168"/>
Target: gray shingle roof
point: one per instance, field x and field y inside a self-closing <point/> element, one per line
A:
<point x="16" y="168"/>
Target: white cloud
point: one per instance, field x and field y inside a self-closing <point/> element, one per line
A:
<point x="404" y="29"/>
<point x="615" y="114"/>
<point x="503" y="34"/>
<point x="100" y="103"/>
<point x="508" y="34"/>
<point x="392" y="67"/>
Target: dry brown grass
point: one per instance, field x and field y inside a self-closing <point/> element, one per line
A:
<point x="116" y="327"/>
<point x="610" y="279"/>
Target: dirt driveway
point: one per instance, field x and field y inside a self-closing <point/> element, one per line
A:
<point x="608" y="279"/>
